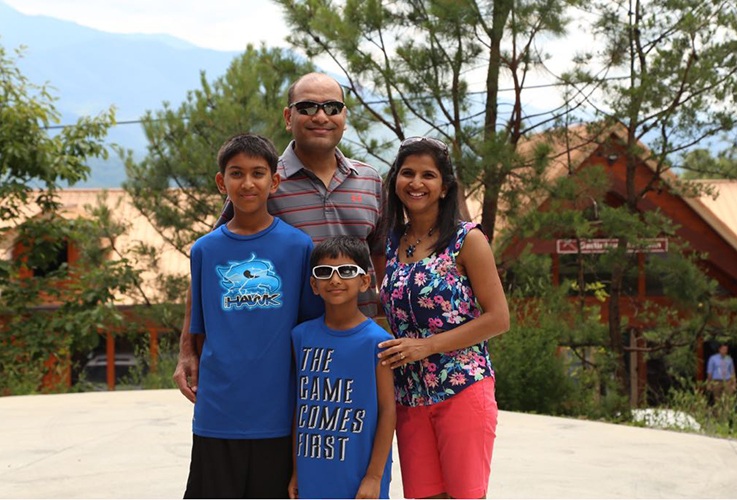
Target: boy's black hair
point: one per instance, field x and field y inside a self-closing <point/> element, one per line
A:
<point x="252" y="145"/>
<point x="345" y="246"/>
<point x="393" y="215"/>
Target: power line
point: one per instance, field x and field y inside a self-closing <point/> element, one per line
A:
<point x="121" y="122"/>
<point x="379" y="101"/>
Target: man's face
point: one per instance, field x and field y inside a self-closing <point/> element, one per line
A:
<point x="723" y="350"/>
<point x="319" y="132"/>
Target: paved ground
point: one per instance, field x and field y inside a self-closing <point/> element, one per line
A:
<point x="136" y="444"/>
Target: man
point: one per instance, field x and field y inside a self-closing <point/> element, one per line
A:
<point x="720" y="373"/>
<point x="321" y="192"/>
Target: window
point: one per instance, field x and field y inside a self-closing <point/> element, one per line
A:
<point x="55" y="255"/>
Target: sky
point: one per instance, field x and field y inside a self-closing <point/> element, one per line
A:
<point x="232" y="24"/>
<point x="213" y="24"/>
<point x="226" y="25"/>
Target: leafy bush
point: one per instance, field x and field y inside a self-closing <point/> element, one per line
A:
<point x="530" y="376"/>
<point x="716" y="417"/>
<point x="148" y="376"/>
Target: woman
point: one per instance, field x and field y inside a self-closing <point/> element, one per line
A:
<point x="443" y="301"/>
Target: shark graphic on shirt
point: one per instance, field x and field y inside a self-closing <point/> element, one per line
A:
<point x="252" y="283"/>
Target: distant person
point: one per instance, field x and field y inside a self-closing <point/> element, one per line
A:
<point x="443" y="300"/>
<point x="345" y="398"/>
<point x="720" y="374"/>
<point x="250" y="286"/>
<point x="321" y="192"/>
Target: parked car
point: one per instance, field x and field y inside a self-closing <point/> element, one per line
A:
<point x="95" y="370"/>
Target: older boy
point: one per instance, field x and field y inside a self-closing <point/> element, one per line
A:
<point x="250" y="287"/>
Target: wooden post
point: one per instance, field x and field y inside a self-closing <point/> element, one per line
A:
<point x="110" y="351"/>
<point x="634" y="391"/>
<point x="638" y="367"/>
<point x="154" y="347"/>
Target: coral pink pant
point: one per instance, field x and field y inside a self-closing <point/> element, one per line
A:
<point x="447" y="447"/>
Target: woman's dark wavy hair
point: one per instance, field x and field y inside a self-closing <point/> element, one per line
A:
<point x="394" y="217"/>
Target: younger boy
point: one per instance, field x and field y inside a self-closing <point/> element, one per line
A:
<point x="345" y="398"/>
<point x="250" y="287"/>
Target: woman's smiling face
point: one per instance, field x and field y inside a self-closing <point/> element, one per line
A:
<point x="419" y="184"/>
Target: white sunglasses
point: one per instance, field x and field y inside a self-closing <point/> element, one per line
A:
<point x="345" y="271"/>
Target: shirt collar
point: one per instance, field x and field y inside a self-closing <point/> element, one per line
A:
<point x="293" y="165"/>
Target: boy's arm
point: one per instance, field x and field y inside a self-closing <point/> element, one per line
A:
<point x="292" y="489"/>
<point x="190" y="346"/>
<point x="371" y="484"/>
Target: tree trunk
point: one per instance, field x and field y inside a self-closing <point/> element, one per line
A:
<point x="615" y="326"/>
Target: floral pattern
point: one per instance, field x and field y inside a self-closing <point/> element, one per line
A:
<point x="430" y="297"/>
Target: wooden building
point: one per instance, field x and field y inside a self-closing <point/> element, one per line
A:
<point x="707" y="223"/>
<point x="79" y="203"/>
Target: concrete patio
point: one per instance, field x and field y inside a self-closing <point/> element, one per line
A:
<point x="136" y="444"/>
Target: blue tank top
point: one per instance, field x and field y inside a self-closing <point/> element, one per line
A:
<point x="337" y="409"/>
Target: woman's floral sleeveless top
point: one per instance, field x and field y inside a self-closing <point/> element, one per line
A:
<point x="428" y="298"/>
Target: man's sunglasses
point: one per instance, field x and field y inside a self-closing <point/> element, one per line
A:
<point x="310" y="108"/>
<point x="345" y="271"/>
<point x="412" y="140"/>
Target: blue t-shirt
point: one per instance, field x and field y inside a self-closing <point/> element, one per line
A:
<point x="337" y="407"/>
<point x="248" y="292"/>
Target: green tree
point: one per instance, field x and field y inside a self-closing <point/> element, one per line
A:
<point x="666" y="72"/>
<point x="183" y="142"/>
<point x="701" y="164"/>
<point x="412" y="64"/>
<point x="31" y="158"/>
<point x="48" y="310"/>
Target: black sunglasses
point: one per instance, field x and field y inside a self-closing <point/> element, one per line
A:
<point x="345" y="271"/>
<point x="412" y="140"/>
<point x="310" y="108"/>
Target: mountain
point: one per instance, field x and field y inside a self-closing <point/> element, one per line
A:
<point x="90" y="70"/>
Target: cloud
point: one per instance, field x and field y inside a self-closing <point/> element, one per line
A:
<point x="216" y="24"/>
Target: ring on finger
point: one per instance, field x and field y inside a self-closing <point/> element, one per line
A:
<point x="401" y="355"/>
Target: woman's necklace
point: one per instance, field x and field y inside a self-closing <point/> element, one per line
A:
<point x="410" y="251"/>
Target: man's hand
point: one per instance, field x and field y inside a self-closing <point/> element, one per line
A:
<point x="188" y="363"/>
<point x="292" y="488"/>
<point x="186" y="374"/>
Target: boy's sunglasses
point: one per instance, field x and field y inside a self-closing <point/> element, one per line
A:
<point x="412" y="140"/>
<point x="310" y="108"/>
<point x="345" y="271"/>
